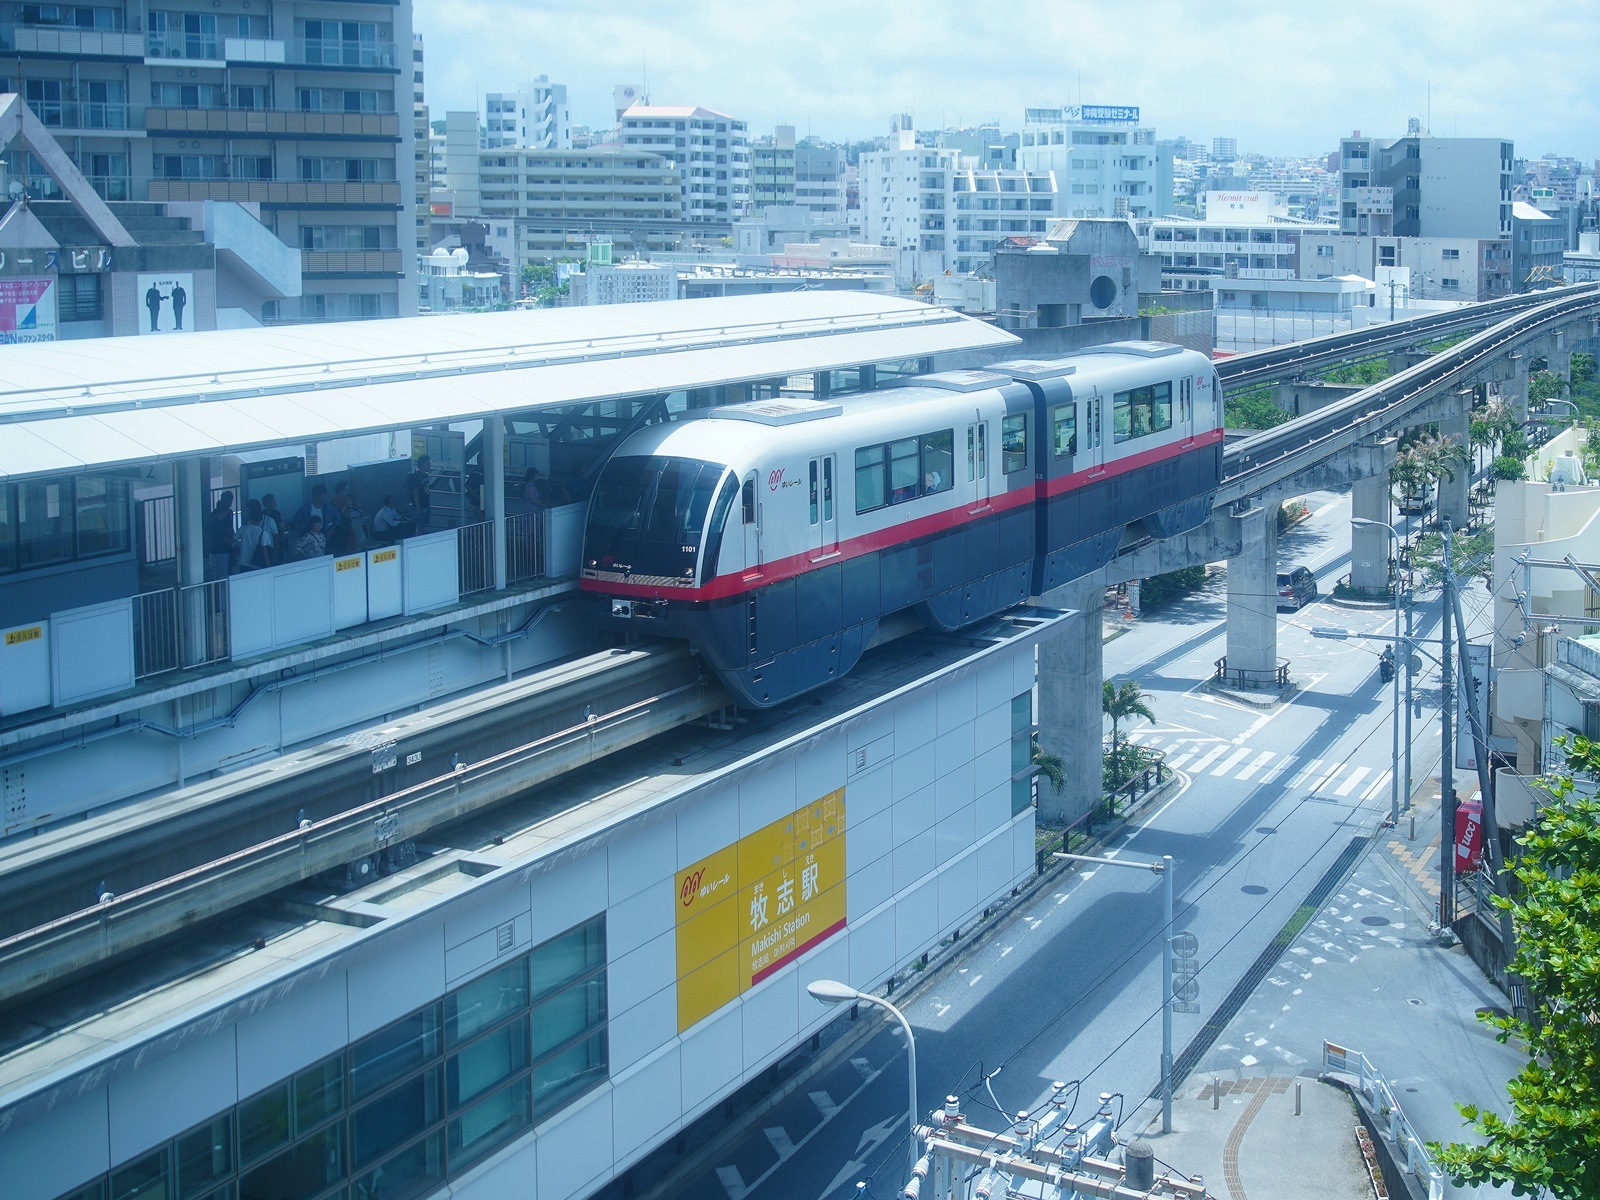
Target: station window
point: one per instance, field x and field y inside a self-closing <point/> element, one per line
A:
<point x="407" y="1107"/>
<point x="1066" y="419"/>
<point x="1021" y="753"/>
<point x="1014" y="443"/>
<point x="59" y="520"/>
<point x="907" y="469"/>
<point x="1141" y="412"/>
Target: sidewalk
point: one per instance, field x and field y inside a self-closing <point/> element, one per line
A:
<point x="1364" y="973"/>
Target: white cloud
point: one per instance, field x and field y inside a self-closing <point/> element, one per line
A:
<point x="1280" y="78"/>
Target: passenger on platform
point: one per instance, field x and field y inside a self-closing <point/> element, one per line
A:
<point x="317" y="506"/>
<point x="533" y="490"/>
<point x="274" y="522"/>
<point x="387" y="524"/>
<point x="257" y="546"/>
<point x="313" y="543"/>
<point x="344" y="537"/>
<point x="219" y="539"/>
<point x="417" y="492"/>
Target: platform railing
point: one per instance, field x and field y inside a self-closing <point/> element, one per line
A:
<point x="1251" y="677"/>
<point x="204" y="612"/>
<point x="155" y="633"/>
<point x="475" y="557"/>
<point x="524" y="546"/>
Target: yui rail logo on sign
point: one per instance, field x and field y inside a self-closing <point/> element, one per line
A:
<point x="747" y="910"/>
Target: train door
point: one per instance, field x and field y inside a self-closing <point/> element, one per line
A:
<point x="1186" y="409"/>
<point x="978" y="464"/>
<point x="1090" y="440"/>
<point x="750" y="510"/>
<point x="822" y="511"/>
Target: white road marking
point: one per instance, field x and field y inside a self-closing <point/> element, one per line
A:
<point x="1259" y="761"/>
<point x="1206" y="759"/>
<point x="824" y="1103"/>
<point x="1231" y="761"/>
<point x="781" y="1142"/>
<point x="943" y="1008"/>
<point x="1378" y="784"/>
<point x="1006" y="951"/>
<point x="732" y="1182"/>
<point x="1278" y="769"/>
<point x="1327" y="779"/>
<point x="973" y="981"/>
<point x="1354" y="781"/>
<point x="1309" y="769"/>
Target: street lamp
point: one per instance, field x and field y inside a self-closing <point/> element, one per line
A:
<point x="1394" y="774"/>
<point x="1163" y="869"/>
<point x="831" y="991"/>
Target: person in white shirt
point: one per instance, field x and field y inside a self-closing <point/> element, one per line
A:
<point x="387" y="524"/>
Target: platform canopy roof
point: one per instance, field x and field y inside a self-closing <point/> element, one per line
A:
<point x="116" y="402"/>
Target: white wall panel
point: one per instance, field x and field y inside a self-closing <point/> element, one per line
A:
<point x="866" y="795"/>
<point x="956" y="790"/>
<point x="958" y="890"/>
<point x="641" y="1030"/>
<point x="994" y="808"/>
<point x="831" y="960"/>
<point x="712" y="1053"/>
<point x="994" y="864"/>
<point x="302" y="601"/>
<point x="484" y="910"/>
<point x="913" y="815"/>
<point x="385" y="584"/>
<point x="646" y="914"/>
<point x="820" y="768"/>
<point x="869" y="727"/>
<point x="430" y="577"/>
<point x="955" y="834"/>
<point x="581" y="1130"/>
<point x="771" y="1017"/>
<point x="993" y="727"/>
<point x="958" y="703"/>
<point x="644" y="1103"/>
<point x="638" y="859"/>
<point x="916" y="915"/>
<point x="766" y="796"/>
<point x="633" y="977"/>
<point x="872" y="954"/>
<point x="292" y="1028"/>
<point x="916" y="722"/>
<point x="707" y="825"/>
<point x="65" y="1147"/>
<point x="24" y="667"/>
<point x="349" y="590"/>
<point x="249" y="613"/>
<point x="91" y="651"/>
<point x="1023" y="856"/>
<point x="567" y="895"/>
<point x="994" y="683"/>
<point x="870" y="886"/>
<point x="913" y="859"/>
<point x="168" y="1093"/>
<point x="867" y="839"/>
<point x="912" y="774"/>
<point x="403" y="971"/>
<point x="480" y="953"/>
<point x="991" y="766"/>
<point x="511" y="1173"/>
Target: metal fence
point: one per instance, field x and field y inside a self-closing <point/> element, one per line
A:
<point x="524" y="546"/>
<point x="205" y="628"/>
<point x="475" y="554"/>
<point x="155" y="633"/>
<point x="1409" y="1150"/>
<point x="158" y="530"/>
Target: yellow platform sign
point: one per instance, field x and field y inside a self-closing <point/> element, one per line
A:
<point x="752" y="907"/>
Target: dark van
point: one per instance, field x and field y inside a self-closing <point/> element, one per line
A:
<point x="1297" y="587"/>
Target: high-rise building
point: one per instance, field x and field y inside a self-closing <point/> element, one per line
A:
<point x="710" y="149"/>
<point x="1224" y="150"/>
<point x="1417" y="186"/>
<point x="299" y="107"/>
<point x="772" y="174"/>
<point x="421" y="152"/>
<point x="536" y="114"/>
<point x="806" y="175"/>
<point x="1104" y="163"/>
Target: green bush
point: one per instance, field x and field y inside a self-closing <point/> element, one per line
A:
<point x="1509" y="467"/>
<point x="1160" y="588"/>
<point x="1252" y="410"/>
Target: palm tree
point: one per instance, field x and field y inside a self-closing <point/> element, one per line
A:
<point x="1052" y="768"/>
<point x="1122" y="703"/>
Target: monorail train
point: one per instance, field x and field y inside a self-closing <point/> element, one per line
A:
<point x="774" y="535"/>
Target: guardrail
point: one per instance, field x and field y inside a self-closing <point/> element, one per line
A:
<point x="1251" y="677"/>
<point x="475" y="547"/>
<point x="524" y="546"/>
<point x="205" y="621"/>
<point x="1275" y="455"/>
<point x="1379" y="1093"/>
<point x="1136" y="787"/>
<point x="155" y="633"/>
<point x="1276" y="362"/>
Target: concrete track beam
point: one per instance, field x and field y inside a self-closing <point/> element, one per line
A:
<point x="1253" y="593"/>
<point x="1071" y="719"/>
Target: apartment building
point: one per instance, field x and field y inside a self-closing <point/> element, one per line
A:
<point x="294" y="107"/>
<point x="804" y="175"/>
<point x="710" y="150"/>
<point x="772" y="174"/>
<point x="421" y="155"/>
<point x="1105" y="164"/>
<point x="542" y="205"/>
<point x="942" y="212"/>
<point x="1243" y="234"/>
<point x="536" y="114"/>
<point x="1419" y="186"/>
<point x="1433" y="268"/>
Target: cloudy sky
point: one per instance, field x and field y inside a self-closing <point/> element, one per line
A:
<point x="1281" y="77"/>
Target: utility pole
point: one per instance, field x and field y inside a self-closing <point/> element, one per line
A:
<point x="1447" y="757"/>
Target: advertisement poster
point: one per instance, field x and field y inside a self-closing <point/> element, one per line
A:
<point x="166" y="300"/>
<point x="27" y="311"/>
<point x="749" y="909"/>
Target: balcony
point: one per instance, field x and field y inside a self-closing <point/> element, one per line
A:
<point x="253" y="50"/>
<point x="239" y="122"/>
<point x="74" y="43"/>
<point x="361" y="56"/>
<point x="73" y="114"/>
<point x="280" y="192"/>
<point x="351" y="262"/>
<point x="203" y="47"/>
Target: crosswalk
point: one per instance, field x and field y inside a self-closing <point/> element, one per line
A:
<point x="1216" y="759"/>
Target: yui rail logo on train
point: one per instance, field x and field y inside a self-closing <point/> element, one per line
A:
<point x="749" y="909"/>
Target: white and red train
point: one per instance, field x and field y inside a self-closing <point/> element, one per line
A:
<point x="774" y="535"/>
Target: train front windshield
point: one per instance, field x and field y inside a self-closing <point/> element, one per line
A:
<point x="648" y="517"/>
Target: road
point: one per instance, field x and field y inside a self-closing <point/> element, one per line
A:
<point x="1068" y="987"/>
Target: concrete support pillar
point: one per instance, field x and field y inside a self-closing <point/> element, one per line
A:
<point x="1559" y="358"/>
<point x="494" y="491"/>
<point x="1516" y="391"/>
<point x="1369" y="547"/>
<point x="189" y="503"/>
<point x="1453" y="493"/>
<point x="1253" y="594"/>
<point x="1071" y="719"/>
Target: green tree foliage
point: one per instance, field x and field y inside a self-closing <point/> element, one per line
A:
<point x="1364" y="373"/>
<point x="1551" y="1143"/>
<point x="1052" y="768"/>
<point x="1158" y="589"/>
<point x="1509" y="467"/>
<point x="1252" y="410"/>
<point x="1545" y="385"/>
<point x="1583" y="369"/>
<point x="1122" y="702"/>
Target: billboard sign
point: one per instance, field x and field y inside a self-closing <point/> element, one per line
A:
<point x="1111" y="114"/>
<point x="168" y="302"/>
<point x="751" y="908"/>
<point x="27" y="310"/>
<point x="1472" y="687"/>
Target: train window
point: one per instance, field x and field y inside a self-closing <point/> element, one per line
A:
<point x="870" y="490"/>
<point x="983" y="451"/>
<point x="748" y="495"/>
<point x="827" y="489"/>
<point x="972" y="458"/>
<point x="1185" y="401"/>
<point x="814" y="496"/>
<point x="938" y="461"/>
<point x="1094" y="423"/>
<point x="719" y="522"/>
<point x="1141" y="412"/>
<point x="904" y="473"/>
<point x="1066" y="416"/>
<point x="1014" y="443"/>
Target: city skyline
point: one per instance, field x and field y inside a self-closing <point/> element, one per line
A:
<point x="840" y="72"/>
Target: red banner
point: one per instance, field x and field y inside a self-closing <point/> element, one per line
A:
<point x="1469" y="836"/>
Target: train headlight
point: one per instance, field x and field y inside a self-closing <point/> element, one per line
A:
<point x="622" y="608"/>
